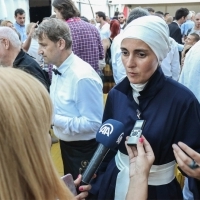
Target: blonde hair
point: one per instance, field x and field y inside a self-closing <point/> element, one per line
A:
<point x="5" y="22"/>
<point x="26" y="168"/>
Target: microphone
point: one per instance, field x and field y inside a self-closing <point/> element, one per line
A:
<point x="109" y="135"/>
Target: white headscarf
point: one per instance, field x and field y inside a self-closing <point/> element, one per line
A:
<point x="153" y="31"/>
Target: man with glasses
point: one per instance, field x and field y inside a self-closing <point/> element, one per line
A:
<point x="122" y="20"/>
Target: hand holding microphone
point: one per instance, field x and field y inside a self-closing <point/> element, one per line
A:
<point x="109" y="137"/>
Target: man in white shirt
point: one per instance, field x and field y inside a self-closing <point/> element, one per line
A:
<point x="171" y="64"/>
<point x="76" y="93"/>
<point x="102" y="26"/>
<point x="20" y="23"/>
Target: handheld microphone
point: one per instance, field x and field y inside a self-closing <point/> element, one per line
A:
<point x="109" y="136"/>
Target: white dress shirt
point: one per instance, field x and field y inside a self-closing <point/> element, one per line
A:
<point x="77" y="99"/>
<point x="119" y="72"/>
<point x="171" y="64"/>
<point x="104" y="31"/>
<point x="33" y="51"/>
<point x="190" y="75"/>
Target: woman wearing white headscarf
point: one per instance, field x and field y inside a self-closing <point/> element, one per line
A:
<point x="171" y="112"/>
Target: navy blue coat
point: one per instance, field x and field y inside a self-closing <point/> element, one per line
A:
<point x="172" y="114"/>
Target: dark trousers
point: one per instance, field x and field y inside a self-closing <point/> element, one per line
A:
<point x="76" y="155"/>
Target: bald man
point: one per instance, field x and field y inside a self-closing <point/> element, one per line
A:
<point x="11" y="55"/>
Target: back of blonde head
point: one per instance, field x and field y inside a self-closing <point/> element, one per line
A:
<point x="26" y="168"/>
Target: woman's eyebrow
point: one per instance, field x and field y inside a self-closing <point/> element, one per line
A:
<point x="137" y="50"/>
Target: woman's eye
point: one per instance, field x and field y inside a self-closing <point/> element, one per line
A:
<point x="124" y="53"/>
<point x="142" y="55"/>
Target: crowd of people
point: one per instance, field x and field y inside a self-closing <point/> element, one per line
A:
<point x="55" y="74"/>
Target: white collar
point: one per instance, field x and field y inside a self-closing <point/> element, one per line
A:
<point x="138" y="87"/>
<point x="66" y="64"/>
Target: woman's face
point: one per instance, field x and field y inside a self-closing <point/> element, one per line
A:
<point x="139" y="60"/>
<point x="58" y="14"/>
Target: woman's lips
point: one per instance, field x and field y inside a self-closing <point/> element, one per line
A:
<point x="132" y="73"/>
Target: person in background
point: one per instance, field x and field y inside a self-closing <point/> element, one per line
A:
<point x="174" y="27"/>
<point x="20" y="23"/>
<point x="169" y="20"/>
<point x="76" y="93"/>
<point x="196" y="27"/>
<point x="107" y="71"/>
<point x="188" y="25"/>
<point x="122" y="20"/>
<point x="102" y="26"/>
<point x="27" y="169"/>
<point x="84" y="19"/>
<point x="7" y="23"/>
<point x="193" y="15"/>
<point x="10" y="24"/>
<point x="191" y="39"/>
<point x="150" y="10"/>
<point x="116" y="15"/>
<point x="12" y="55"/>
<point x="93" y="22"/>
<point x="160" y="13"/>
<point x="26" y="44"/>
<point x="140" y="161"/>
<point x="166" y="15"/>
<point x="108" y="19"/>
<point x="86" y="41"/>
<point x="171" y="64"/>
<point x="33" y="49"/>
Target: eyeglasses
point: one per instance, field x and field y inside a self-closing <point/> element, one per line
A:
<point x="120" y="17"/>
